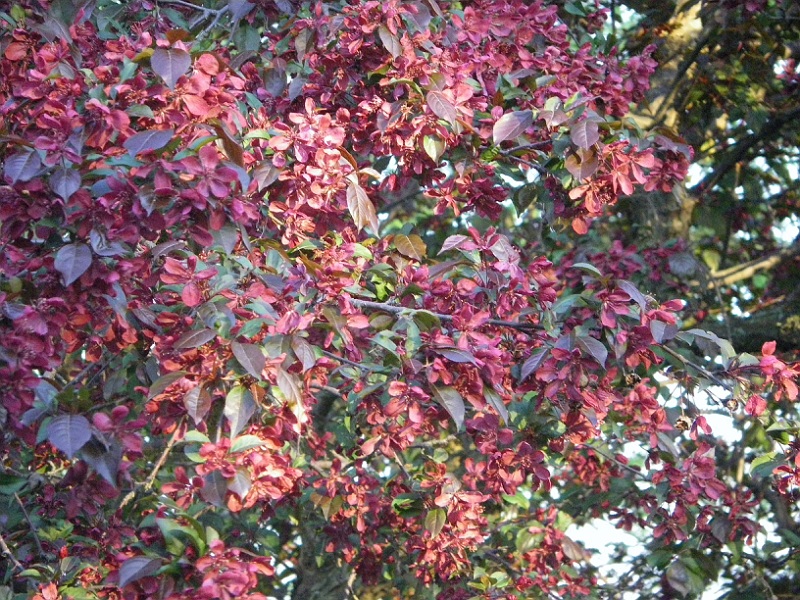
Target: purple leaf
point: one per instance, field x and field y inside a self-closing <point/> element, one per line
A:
<point x="239" y="408"/>
<point x="136" y="568"/>
<point x="304" y="352"/>
<point x="65" y="182"/>
<point x="195" y="339"/>
<point x="72" y="261"/>
<point x="148" y="140"/>
<point x="170" y="64"/>
<point x="454" y="241"/>
<point x="250" y="357"/>
<point x="390" y="41"/>
<point x="594" y="347"/>
<point x="511" y="126"/>
<point x="532" y="363"/>
<point x="163" y="382"/>
<point x="494" y="400"/>
<point x="582" y="164"/>
<point x="632" y="291"/>
<point x="69" y="433"/>
<point x="456" y="355"/>
<point x="22" y="166"/>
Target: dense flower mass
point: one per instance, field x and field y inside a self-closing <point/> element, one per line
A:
<point x="263" y="319"/>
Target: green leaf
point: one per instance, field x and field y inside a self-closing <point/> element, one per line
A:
<point x="764" y="465"/>
<point x="511" y="125"/>
<point x="148" y="140"/>
<point x="435" y="520"/>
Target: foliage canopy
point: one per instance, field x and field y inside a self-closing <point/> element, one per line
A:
<point x="381" y="299"/>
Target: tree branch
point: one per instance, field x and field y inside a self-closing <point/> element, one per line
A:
<point x="740" y="150"/>
<point x="399" y="310"/>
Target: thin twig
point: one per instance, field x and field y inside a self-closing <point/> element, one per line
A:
<point x="352" y="363"/>
<point x="399" y="310"/>
<point x="698" y="368"/>
<point x="148" y="483"/>
<point x="7" y="551"/>
<point x="30" y="524"/>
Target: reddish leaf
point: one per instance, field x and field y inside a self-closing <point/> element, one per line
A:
<point x="632" y="291"/>
<point x="72" y="261"/>
<point x="511" y="125"/>
<point x="265" y="174"/>
<point x="361" y="208"/>
<point x="170" y="64"/>
<point x="148" y="140"/>
<point x="250" y="357"/>
<point x="585" y="134"/>
<point x="442" y="107"/>
<point x="69" y="433"/>
<point x="452" y="401"/>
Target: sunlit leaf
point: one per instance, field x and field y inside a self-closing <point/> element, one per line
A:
<point x="197" y="402"/>
<point x="435" y="520"/>
<point x="511" y="125"/>
<point x="390" y="41"/>
<point x="361" y="208"/>
<point x="240" y="483"/>
<point x="442" y="107"/>
<point x="411" y="246"/>
<point x="582" y="164"/>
